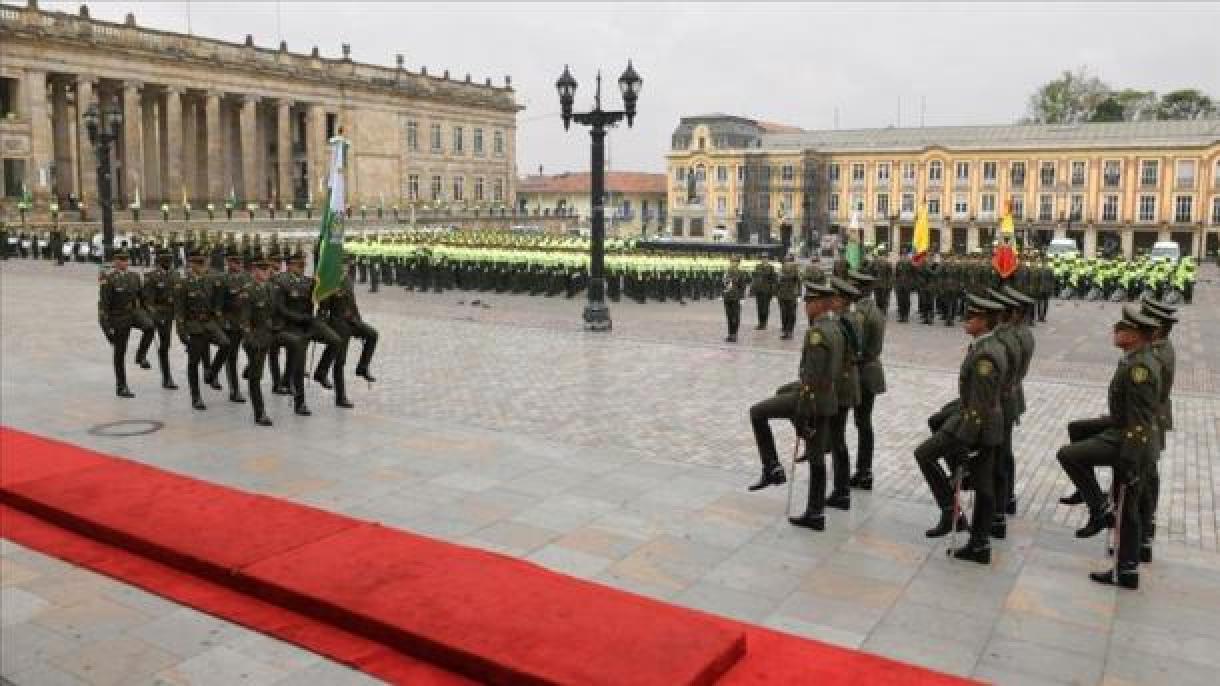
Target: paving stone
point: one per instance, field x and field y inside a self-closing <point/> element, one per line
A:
<point x="185" y="632"/>
<point x="18" y="605"/>
<point x="221" y="665"/>
<point x="728" y="602"/>
<point x="114" y="661"/>
<point x="1040" y="661"/>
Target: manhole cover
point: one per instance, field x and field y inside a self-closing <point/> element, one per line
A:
<point x="127" y="427"/>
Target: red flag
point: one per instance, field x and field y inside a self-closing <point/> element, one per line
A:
<point x="1005" y="259"/>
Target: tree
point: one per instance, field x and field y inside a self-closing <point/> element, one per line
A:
<point x="1137" y="105"/>
<point x="1109" y="109"/>
<point x="1188" y="103"/>
<point x="1069" y="99"/>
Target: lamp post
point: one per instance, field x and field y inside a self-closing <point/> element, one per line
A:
<point x="597" y="314"/>
<point x="103" y="131"/>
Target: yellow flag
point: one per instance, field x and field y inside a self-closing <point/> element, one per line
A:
<point x="923" y="236"/>
<point x="1006" y="225"/>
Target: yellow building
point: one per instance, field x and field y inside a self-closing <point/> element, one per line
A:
<point x="635" y="201"/>
<point x="1121" y="186"/>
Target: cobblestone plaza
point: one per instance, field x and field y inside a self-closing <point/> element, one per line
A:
<point x="623" y="458"/>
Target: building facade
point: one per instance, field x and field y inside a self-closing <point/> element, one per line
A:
<point x="205" y="120"/>
<point x="635" y="201"/>
<point x="1113" y="187"/>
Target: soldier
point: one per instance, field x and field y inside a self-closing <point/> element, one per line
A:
<point x="340" y="312"/>
<point x="973" y="422"/>
<point x="295" y="311"/>
<point x="788" y="288"/>
<point x="1021" y="321"/>
<point x="197" y="315"/>
<point x="1011" y="402"/>
<point x="1128" y="441"/>
<point x="872" y="377"/>
<point x="157" y="294"/>
<point x="763" y="285"/>
<point x="258" y="333"/>
<point x="735" y="283"/>
<point x="809" y="403"/>
<point x="118" y="311"/>
<point x="925" y="280"/>
<point x="883" y="269"/>
<point x="232" y="286"/>
<point x="1163" y="351"/>
<point x="847" y="388"/>
<point x="904" y="283"/>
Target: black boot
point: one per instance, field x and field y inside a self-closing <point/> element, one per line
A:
<point x="1127" y="578"/>
<point x="731" y="338"/>
<point x="236" y="397"/>
<point x="344" y="403"/>
<point x="124" y="392"/>
<point x="999" y="527"/>
<point x="197" y="403"/>
<point x="322" y="381"/>
<point x="1074" y="499"/>
<point x="143" y="362"/>
<point x="862" y="481"/>
<point x="816" y="522"/>
<point x="1097" y="522"/>
<point x="1011" y="507"/>
<point x="167" y="382"/>
<point x="773" y="476"/>
<point x="840" y="500"/>
<point x="364" y="374"/>
<point x="945" y="524"/>
<point x="979" y="552"/>
<point x="300" y="408"/>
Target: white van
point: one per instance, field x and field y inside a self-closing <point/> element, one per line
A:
<point x="1166" y="249"/>
<point x="1065" y="247"/>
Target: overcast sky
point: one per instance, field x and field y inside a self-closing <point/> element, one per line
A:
<point x="794" y="63"/>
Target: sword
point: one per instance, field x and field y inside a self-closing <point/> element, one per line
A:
<point x="958" y="475"/>
<point x="796" y="446"/>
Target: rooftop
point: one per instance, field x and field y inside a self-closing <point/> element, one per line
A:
<point x="580" y="182"/>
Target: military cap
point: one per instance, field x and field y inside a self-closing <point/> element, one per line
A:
<point x="1158" y="305"/>
<point x="861" y="277"/>
<point x="121" y="254"/>
<point x="977" y="304"/>
<point x="260" y="263"/>
<point x="1134" y="318"/>
<point x="296" y="257"/>
<point x="1158" y="314"/>
<point x="841" y="287"/>
<point x="1005" y="301"/>
<point x="233" y="257"/>
<point x="1017" y="295"/>
<point x="196" y="256"/>
<point x="817" y="289"/>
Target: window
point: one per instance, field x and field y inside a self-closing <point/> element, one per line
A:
<point x="785" y="172"/>
<point x="883" y="205"/>
<point x="961" y="205"/>
<point x="459" y="188"/>
<point x="1016" y="174"/>
<point x="413" y="187"/>
<point x="702" y="142"/>
<point x="936" y="173"/>
<point x="987" y="204"/>
<point x="1148" y="172"/>
<point x="908" y="204"/>
<point x="989" y="173"/>
<point x="722" y="206"/>
<point x="933" y="205"/>
<point x="786" y="207"/>
<point x="458" y="143"/>
<point x="764" y="202"/>
<point x="497" y="190"/>
<point x="412" y="136"/>
<point x="1077" y="208"/>
<point x="1216" y="175"/>
<point x="1046" y="207"/>
<point x="741" y="173"/>
<point x="436" y="138"/>
<point x="908" y="173"/>
<point x="857" y="173"/>
<point x="832" y="203"/>
<point x="436" y="187"/>
<point x="478" y="142"/>
<point x="1147" y="211"/>
<point x="700" y="173"/>
<point x="1183" y="208"/>
<point x="677" y="226"/>
<point x="1186" y="174"/>
<point x="1078" y="169"/>
<point x="832" y="173"/>
<point x="1016" y="205"/>
<point x="883" y="172"/>
<point x="961" y="172"/>
<point x="14" y="178"/>
<point x="1216" y="210"/>
<point x="1111" y="174"/>
<point x="1046" y="174"/>
<point x="8" y="97"/>
<point x="498" y="143"/>
<point x="679" y="174"/>
<point x="478" y="189"/>
<point x="332" y="123"/>
<point x="696" y="226"/>
<point x="722" y="174"/>
<point x="1109" y="208"/>
<point x="857" y="203"/>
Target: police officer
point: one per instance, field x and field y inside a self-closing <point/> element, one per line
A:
<point x="295" y="310"/>
<point x="883" y="269"/>
<point x="763" y="284"/>
<point x="157" y="294"/>
<point x="118" y="311"/>
<point x="788" y="289"/>
<point x="257" y="323"/>
<point x="904" y="283"/>
<point x="1128" y="442"/>
<point x="232" y="286"/>
<point x="872" y="376"/>
<point x="340" y="312"/>
<point x="735" y="283"/>
<point x="847" y="389"/>
<point x="197" y="316"/>
<point x="972" y="422"/>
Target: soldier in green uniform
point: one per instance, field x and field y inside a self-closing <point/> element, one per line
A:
<point x="847" y="388"/>
<point x="904" y="283"/>
<point x="1163" y="351"/>
<point x="197" y="315"/>
<point x="1011" y="402"/>
<point x="118" y="312"/>
<point x="763" y="285"/>
<point x="788" y="288"/>
<point x="259" y="333"/>
<point x="883" y="269"/>
<point x="972" y="422"/>
<point x="157" y="294"/>
<point x="735" y="283"/>
<point x="340" y="312"/>
<point x="872" y="377"/>
<point x="295" y="310"/>
<point x="232" y="285"/>
<point x="1128" y="441"/>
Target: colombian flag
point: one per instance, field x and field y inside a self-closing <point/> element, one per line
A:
<point x="923" y="235"/>
<point x="1005" y="259"/>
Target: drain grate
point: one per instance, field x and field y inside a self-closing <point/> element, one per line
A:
<point x="127" y="427"/>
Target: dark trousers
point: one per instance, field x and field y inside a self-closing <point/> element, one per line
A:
<point x="815" y="452"/>
<point x="840" y="458"/>
<point x="118" y="341"/>
<point x="764" y="308"/>
<point x="226" y="357"/>
<point x="196" y="348"/>
<point x="941" y="446"/>
<point x="1043" y="305"/>
<point x="904" y="304"/>
<point x="164" y="329"/>
<point x="882" y="297"/>
<point x="1005" y="468"/>
<point x="787" y="315"/>
<point x="863" y="416"/>
<point x="779" y="406"/>
<point x="256" y="359"/>
<point x="1079" y="461"/>
<point x="335" y="355"/>
<point x="732" y="311"/>
<point x="925" y="306"/>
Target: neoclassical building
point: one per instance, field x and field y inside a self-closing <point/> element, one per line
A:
<point x="1117" y="185"/>
<point x="635" y="201"/>
<point x="204" y="119"/>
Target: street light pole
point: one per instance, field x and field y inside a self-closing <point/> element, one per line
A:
<point x="597" y="313"/>
<point x="103" y="134"/>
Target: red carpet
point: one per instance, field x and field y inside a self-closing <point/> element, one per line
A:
<point x="405" y="608"/>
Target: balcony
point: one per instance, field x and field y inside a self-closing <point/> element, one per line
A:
<point x="1184" y="184"/>
<point x="989" y="183"/>
<point x="1111" y="182"/>
<point x="1148" y="183"/>
<point x="961" y="184"/>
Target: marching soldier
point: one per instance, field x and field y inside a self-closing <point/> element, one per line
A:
<point x="118" y="311"/>
<point x="763" y="284"/>
<point x="258" y="332"/>
<point x="883" y="269"/>
<point x="157" y="294"/>
<point x="788" y="289"/>
<point x="973" y="422"/>
<point x="197" y="316"/>
<point x="735" y="283"/>
<point x="904" y="283"/>
<point x="1127" y="440"/>
<point x="232" y="286"/>
<point x="340" y="312"/>
<point x="294" y="309"/>
<point x="872" y="377"/>
<point x="847" y="388"/>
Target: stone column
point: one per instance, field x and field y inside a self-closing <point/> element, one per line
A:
<point x="972" y="238"/>
<point x="133" y="144"/>
<point x="249" y="148"/>
<point x="172" y="146"/>
<point x="1127" y="240"/>
<point x="65" y="151"/>
<point x="315" y="150"/>
<point x="1090" y="242"/>
<point x="86" y="156"/>
<point x="42" y="144"/>
<point x="152" y="150"/>
<point x="214" y="151"/>
<point x="190" y="158"/>
<point x="283" y="148"/>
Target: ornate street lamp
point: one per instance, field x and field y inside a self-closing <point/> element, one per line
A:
<point x="597" y="314"/>
<point x="103" y="131"/>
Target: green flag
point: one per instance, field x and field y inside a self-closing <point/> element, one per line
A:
<point x="853" y="254"/>
<point x="328" y="272"/>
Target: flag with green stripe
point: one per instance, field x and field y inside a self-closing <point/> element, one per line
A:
<point x="328" y="272"/>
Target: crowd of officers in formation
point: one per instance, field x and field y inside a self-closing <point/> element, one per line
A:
<point x="971" y="445"/>
<point x="1121" y="280"/>
<point x="225" y="301"/>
